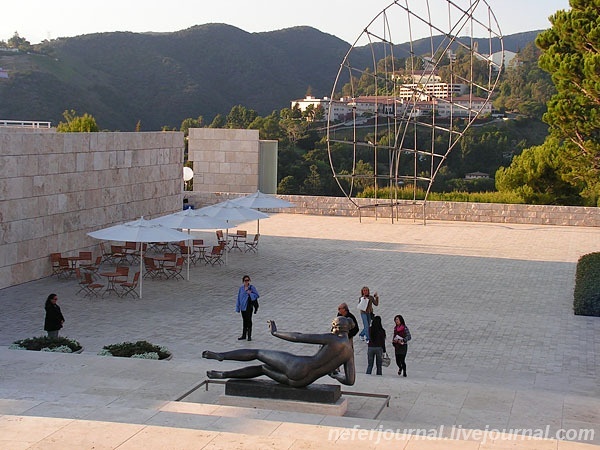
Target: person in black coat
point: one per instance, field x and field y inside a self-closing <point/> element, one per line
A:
<point x="54" y="318"/>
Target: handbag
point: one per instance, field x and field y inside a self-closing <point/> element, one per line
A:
<point x="363" y="303"/>
<point x="385" y="360"/>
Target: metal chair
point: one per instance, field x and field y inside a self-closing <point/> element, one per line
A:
<point x="92" y="267"/>
<point x="216" y="255"/>
<point x="175" y="271"/>
<point x="65" y="268"/>
<point x="221" y="239"/>
<point x="104" y="253"/>
<point x="55" y="260"/>
<point x="83" y="282"/>
<point x="123" y="272"/>
<point x="252" y="246"/>
<point x="91" y="285"/>
<point x="129" y="287"/>
<point x="151" y="269"/>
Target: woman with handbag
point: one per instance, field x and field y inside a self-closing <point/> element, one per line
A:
<point x="247" y="301"/>
<point x="400" y="343"/>
<point x="365" y="306"/>
<point x="376" y="346"/>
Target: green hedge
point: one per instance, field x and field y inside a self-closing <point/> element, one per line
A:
<point x="406" y="193"/>
<point x="134" y="349"/>
<point x="43" y="342"/>
<point x="586" y="298"/>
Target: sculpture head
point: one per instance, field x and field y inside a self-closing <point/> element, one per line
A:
<point x="341" y="324"/>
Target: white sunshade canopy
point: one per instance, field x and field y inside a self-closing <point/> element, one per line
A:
<point x="191" y="219"/>
<point x="232" y="212"/>
<point x="142" y="231"/>
<point x="259" y="200"/>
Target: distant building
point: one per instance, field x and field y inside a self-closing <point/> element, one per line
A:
<point x="476" y="175"/>
<point x="506" y="58"/>
<point x="444" y="103"/>
<point x="463" y="106"/>
<point x="3" y="73"/>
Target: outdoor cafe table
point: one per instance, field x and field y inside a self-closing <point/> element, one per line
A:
<point x="236" y="240"/>
<point x="74" y="259"/>
<point x="201" y="249"/>
<point x="161" y="263"/>
<point x="110" y="278"/>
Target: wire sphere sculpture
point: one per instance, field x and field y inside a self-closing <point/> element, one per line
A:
<point x="417" y="77"/>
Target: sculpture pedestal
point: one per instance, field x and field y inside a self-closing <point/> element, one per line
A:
<point x="265" y="394"/>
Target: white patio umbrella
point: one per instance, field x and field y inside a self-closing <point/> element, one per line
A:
<point x="258" y="200"/>
<point x="190" y="219"/>
<point x="142" y="231"/>
<point x="232" y="213"/>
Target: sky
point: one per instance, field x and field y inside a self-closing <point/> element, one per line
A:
<point x="37" y="20"/>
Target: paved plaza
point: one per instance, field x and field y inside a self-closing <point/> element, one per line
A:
<point x="495" y="343"/>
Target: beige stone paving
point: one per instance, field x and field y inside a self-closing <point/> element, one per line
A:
<point x="495" y="342"/>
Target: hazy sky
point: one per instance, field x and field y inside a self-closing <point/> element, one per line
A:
<point x="37" y="20"/>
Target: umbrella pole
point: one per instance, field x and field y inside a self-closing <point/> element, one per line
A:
<point x="188" y="258"/>
<point x="141" y="266"/>
<point x="226" y="241"/>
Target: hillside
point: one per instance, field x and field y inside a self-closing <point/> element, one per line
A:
<point x="163" y="78"/>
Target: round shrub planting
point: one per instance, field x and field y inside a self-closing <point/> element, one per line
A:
<point x="586" y="298"/>
<point x="46" y="344"/>
<point x="139" y="349"/>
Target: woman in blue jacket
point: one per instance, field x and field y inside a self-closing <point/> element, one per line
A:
<point x="247" y="301"/>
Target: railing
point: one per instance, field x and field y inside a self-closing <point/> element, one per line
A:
<point x="24" y="123"/>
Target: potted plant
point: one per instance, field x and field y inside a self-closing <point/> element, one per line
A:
<point x="139" y="349"/>
<point x="46" y="344"/>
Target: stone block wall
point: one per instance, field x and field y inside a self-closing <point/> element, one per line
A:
<point x="56" y="187"/>
<point x="225" y="160"/>
<point x="454" y="211"/>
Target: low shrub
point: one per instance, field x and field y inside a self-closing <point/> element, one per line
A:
<point x="46" y="344"/>
<point x="406" y="193"/>
<point x="586" y="297"/>
<point x="139" y="349"/>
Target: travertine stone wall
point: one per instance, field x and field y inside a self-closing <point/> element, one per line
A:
<point x="455" y="211"/>
<point x="225" y="160"/>
<point x="56" y="187"/>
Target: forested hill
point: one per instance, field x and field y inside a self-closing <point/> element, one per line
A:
<point x="162" y="78"/>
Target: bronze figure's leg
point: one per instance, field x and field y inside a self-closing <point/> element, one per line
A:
<point x="244" y="372"/>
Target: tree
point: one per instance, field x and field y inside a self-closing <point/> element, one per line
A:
<point x="218" y="122"/>
<point x="268" y="127"/>
<point x="312" y="183"/>
<point x="288" y="186"/>
<point x="77" y="124"/>
<point x="19" y="42"/>
<point x="295" y="129"/>
<point x="525" y="87"/>
<point x="188" y="123"/>
<point x="240" y="117"/>
<point x="571" y="54"/>
<point x="535" y="175"/>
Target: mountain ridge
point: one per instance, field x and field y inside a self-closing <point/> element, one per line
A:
<point x="162" y="78"/>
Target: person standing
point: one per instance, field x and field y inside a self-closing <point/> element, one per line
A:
<point x="343" y="310"/>
<point x="376" y="346"/>
<point x="54" y="319"/>
<point x="365" y="306"/>
<point x="400" y="342"/>
<point x="247" y="302"/>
